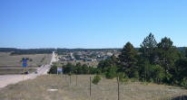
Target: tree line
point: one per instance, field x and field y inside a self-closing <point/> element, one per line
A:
<point x="160" y="62"/>
<point x="15" y="51"/>
<point x="153" y="62"/>
<point x="74" y="69"/>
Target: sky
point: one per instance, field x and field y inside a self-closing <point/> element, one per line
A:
<point x="90" y="23"/>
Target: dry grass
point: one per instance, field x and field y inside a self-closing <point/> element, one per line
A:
<point x="5" y="71"/>
<point x="38" y="89"/>
<point x="12" y="65"/>
<point x="7" y="60"/>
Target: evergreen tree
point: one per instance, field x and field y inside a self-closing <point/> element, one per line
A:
<point x="128" y="59"/>
<point x="186" y="52"/>
<point x="148" y="48"/>
<point x="181" y="69"/>
<point x="111" y="72"/>
<point x="106" y="64"/>
<point x="168" y="55"/>
<point x="79" y="68"/>
<point x="85" y="69"/>
<point x="69" y="68"/>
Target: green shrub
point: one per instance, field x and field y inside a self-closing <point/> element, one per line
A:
<point x="110" y="75"/>
<point x="184" y="83"/>
<point x="123" y="77"/>
<point x="135" y="75"/>
<point x="111" y="72"/>
<point x="96" y="79"/>
<point x="53" y="69"/>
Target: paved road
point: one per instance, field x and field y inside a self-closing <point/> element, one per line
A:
<point x="12" y="79"/>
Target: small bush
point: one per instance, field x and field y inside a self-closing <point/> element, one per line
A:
<point x="135" y="75"/>
<point x="96" y="79"/>
<point x="53" y="70"/>
<point x="111" y="73"/>
<point x="123" y="77"/>
<point x="184" y="83"/>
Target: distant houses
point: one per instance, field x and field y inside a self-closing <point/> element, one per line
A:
<point x="87" y="56"/>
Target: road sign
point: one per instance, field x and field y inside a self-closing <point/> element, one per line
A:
<point x="24" y="62"/>
<point x="59" y="70"/>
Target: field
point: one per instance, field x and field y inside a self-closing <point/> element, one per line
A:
<point x="58" y="87"/>
<point x="11" y="64"/>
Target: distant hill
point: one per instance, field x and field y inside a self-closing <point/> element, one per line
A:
<point x="7" y="49"/>
<point x="15" y="51"/>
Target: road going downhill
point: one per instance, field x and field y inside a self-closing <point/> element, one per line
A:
<point x="45" y="68"/>
<point x="12" y="79"/>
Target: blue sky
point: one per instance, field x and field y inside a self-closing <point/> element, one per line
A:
<point x="90" y="23"/>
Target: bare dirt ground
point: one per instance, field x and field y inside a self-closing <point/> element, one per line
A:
<point x="12" y="79"/>
<point x="58" y="87"/>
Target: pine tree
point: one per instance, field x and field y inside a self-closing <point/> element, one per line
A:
<point x="148" y="48"/>
<point x="128" y="59"/>
<point x="168" y="55"/>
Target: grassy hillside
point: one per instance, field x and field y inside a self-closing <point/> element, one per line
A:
<point x="14" y="60"/>
<point x="10" y="64"/>
<point x="56" y="87"/>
